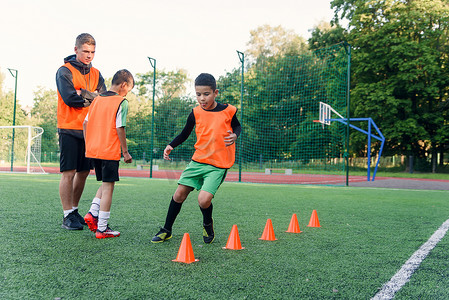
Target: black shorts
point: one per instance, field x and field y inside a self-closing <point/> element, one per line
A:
<point x="72" y="154"/>
<point x="106" y="170"/>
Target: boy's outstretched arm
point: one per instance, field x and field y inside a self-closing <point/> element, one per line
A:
<point x="185" y="133"/>
<point x="122" y="138"/>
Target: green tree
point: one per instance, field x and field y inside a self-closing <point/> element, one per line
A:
<point x="280" y="85"/>
<point x="7" y="106"/>
<point x="138" y="127"/>
<point x="266" y="41"/>
<point x="44" y="114"/>
<point x="270" y="53"/>
<point x="6" y="119"/>
<point x="400" y="71"/>
<point x="2" y="78"/>
<point x="170" y="86"/>
<point x="170" y="119"/>
<point x="325" y="35"/>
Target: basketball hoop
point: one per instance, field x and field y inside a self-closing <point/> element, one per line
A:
<point x="326" y="111"/>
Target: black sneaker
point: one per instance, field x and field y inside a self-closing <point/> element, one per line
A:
<point x="78" y="216"/>
<point x="71" y="222"/>
<point x="161" y="236"/>
<point x="208" y="232"/>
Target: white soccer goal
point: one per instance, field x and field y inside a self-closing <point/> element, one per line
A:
<point x="20" y="149"/>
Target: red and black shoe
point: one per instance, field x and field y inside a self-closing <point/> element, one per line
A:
<point x="108" y="233"/>
<point x="91" y="221"/>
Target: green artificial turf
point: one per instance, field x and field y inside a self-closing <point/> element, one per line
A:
<point x="365" y="236"/>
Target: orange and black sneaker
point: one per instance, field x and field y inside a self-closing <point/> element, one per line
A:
<point x="161" y="236"/>
<point x="108" y="233"/>
<point x="91" y="221"/>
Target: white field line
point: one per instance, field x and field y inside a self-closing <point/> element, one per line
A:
<point x="403" y="275"/>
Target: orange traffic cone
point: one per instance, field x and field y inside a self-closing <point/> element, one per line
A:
<point x="185" y="252"/>
<point x="268" y="232"/>
<point x="294" y="226"/>
<point x="234" y="240"/>
<point x="314" y="222"/>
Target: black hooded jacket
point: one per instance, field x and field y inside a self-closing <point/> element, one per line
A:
<point x="64" y="82"/>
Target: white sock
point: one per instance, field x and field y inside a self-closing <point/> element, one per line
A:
<point x="67" y="212"/>
<point x="103" y="218"/>
<point x="74" y="207"/>
<point x="95" y="207"/>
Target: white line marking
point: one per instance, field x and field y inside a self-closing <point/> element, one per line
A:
<point x="404" y="274"/>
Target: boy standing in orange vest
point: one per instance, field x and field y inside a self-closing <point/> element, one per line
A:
<point x="217" y="129"/>
<point x="104" y="132"/>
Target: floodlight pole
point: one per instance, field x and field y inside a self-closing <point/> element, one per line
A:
<point x="14" y="115"/>
<point x="242" y="60"/>
<point x="153" y="64"/>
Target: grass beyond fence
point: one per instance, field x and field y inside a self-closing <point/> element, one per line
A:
<point x="366" y="236"/>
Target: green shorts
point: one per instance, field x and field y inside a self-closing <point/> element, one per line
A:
<point x="203" y="177"/>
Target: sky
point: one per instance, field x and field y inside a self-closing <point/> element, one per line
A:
<point x="195" y="35"/>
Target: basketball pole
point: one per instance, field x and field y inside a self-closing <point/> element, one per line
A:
<point x="348" y="90"/>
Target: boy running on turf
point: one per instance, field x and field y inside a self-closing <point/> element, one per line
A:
<point x="217" y="129"/>
<point x="104" y="132"/>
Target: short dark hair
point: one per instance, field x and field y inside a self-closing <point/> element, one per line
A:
<point x="206" y="79"/>
<point x="122" y="76"/>
<point x="84" y="38"/>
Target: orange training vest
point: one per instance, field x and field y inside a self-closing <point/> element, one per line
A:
<point x="73" y="117"/>
<point x="211" y="128"/>
<point x="101" y="133"/>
